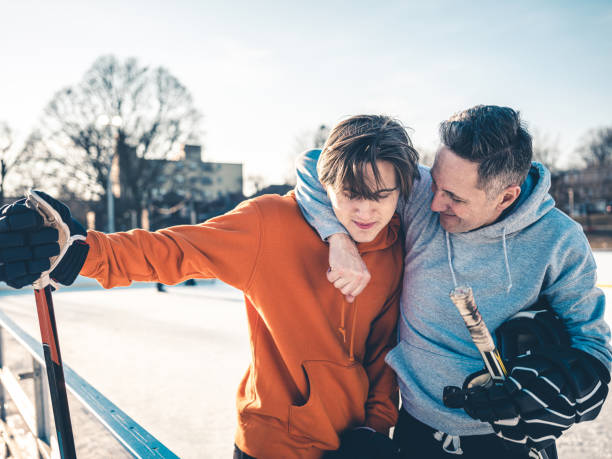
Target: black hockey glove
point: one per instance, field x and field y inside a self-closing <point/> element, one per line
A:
<point x="25" y="245"/>
<point x="545" y="393"/>
<point x="365" y="443"/>
<point x="42" y="238"/>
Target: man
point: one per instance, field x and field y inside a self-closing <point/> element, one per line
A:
<point x="483" y="217"/>
<point x="318" y="379"/>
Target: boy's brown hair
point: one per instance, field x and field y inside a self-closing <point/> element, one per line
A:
<point x="362" y="140"/>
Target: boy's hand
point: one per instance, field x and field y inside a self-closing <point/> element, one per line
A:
<point x="365" y="443"/>
<point x="347" y="270"/>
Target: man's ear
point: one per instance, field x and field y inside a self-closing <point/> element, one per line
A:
<point x="508" y="196"/>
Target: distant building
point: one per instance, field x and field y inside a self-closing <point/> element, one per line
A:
<point x="202" y="181"/>
<point x="273" y="189"/>
<point x="584" y="191"/>
<point x="182" y="188"/>
<point x="186" y="175"/>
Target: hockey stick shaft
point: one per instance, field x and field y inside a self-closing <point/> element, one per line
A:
<point x="55" y="372"/>
<point x="463" y="298"/>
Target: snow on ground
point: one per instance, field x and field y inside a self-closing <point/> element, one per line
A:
<point x="604" y="278"/>
<point x="173" y="361"/>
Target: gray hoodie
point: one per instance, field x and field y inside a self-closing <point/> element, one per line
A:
<point x="534" y="252"/>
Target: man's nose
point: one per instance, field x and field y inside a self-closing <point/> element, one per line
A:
<point x="439" y="202"/>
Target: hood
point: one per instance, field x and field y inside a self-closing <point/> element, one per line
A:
<point x="533" y="203"/>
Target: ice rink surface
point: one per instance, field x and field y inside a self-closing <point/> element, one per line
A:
<point x="173" y="361"/>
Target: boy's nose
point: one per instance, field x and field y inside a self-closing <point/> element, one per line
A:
<point x="364" y="207"/>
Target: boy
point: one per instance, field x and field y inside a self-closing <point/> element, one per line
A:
<point x="317" y="379"/>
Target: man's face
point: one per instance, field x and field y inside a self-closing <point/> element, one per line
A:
<point x="364" y="218"/>
<point x="461" y="204"/>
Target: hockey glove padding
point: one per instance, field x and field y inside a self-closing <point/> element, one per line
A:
<point x="545" y="393"/>
<point x="365" y="443"/>
<point x="66" y="266"/>
<point x="25" y="245"/>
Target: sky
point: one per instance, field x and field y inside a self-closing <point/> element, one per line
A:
<point x="265" y="74"/>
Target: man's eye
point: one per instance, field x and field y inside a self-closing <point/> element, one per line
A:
<point x="456" y="200"/>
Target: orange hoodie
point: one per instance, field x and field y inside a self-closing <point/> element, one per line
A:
<point x="317" y="364"/>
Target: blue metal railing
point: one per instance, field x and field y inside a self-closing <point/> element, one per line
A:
<point x="131" y="436"/>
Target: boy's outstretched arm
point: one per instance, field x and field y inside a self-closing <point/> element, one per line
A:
<point x="225" y="247"/>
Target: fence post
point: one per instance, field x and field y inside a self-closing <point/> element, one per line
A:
<point x="41" y="402"/>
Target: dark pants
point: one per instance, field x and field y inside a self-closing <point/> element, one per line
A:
<point x="417" y="440"/>
<point x="238" y="454"/>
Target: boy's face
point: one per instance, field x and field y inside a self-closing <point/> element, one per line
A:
<point x="364" y="218"/>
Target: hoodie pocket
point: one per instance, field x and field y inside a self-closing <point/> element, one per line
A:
<point x="336" y="401"/>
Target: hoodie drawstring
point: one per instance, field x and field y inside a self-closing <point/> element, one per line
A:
<point x="448" y="441"/>
<point x="506" y="259"/>
<point x="342" y="329"/>
<point x="507" y="263"/>
<point x="450" y="260"/>
<point x="352" y="345"/>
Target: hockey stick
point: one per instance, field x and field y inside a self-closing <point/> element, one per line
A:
<point x="55" y="372"/>
<point x="51" y="350"/>
<point x="463" y="299"/>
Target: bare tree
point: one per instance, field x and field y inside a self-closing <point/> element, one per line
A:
<point x="7" y="158"/>
<point x="11" y="157"/>
<point x="307" y="140"/>
<point x="320" y="136"/>
<point x="427" y="156"/>
<point x="546" y="151"/>
<point x="256" y="182"/>
<point x="596" y="149"/>
<point x="123" y="113"/>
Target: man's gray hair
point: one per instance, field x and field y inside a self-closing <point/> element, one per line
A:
<point x="496" y="139"/>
